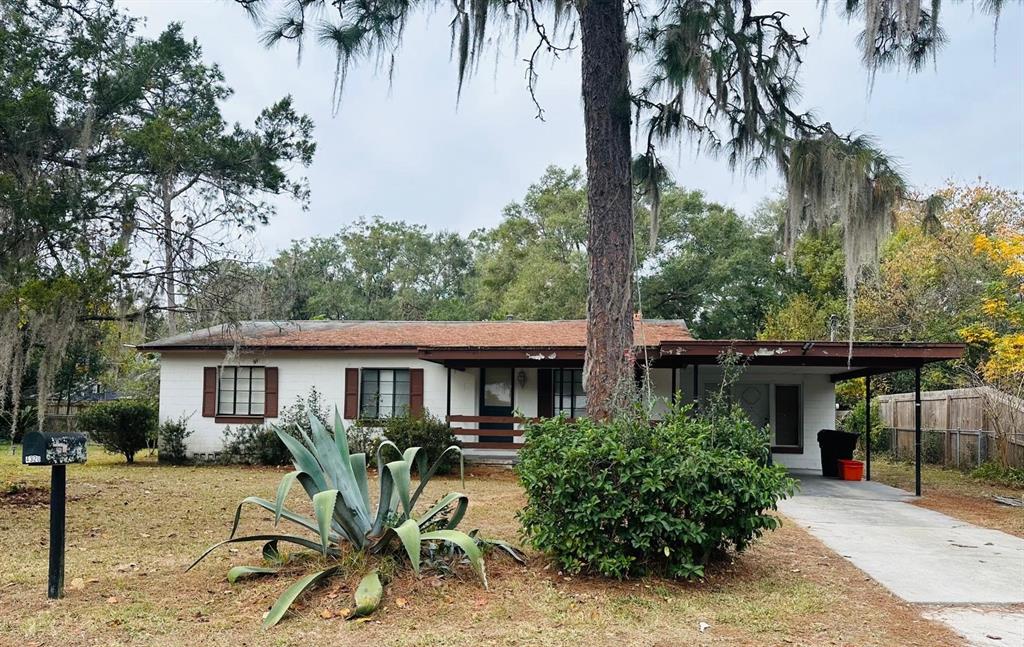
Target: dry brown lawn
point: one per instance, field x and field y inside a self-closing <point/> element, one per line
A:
<point x="952" y="492"/>
<point x="133" y="530"/>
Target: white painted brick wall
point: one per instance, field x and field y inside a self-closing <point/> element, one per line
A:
<point x="181" y="385"/>
<point x="181" y="390"/>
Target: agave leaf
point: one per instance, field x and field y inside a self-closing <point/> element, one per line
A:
<point x="409" y="455"/>
<point x="340" y="434"/>
<point x="368" y="595"/>
<point x="239" y="572"/>
<point x="292" y="539"/>
<point x="513" y="552"/>
<point x="380" y="451"/>
<point x="288" y="515"/>
<point x="400" y="473"/>
<point x="303" y="459"/>
<point x="283" y="488"/>
<point x="409" y="533"/>
<point x="433" y="470"/>
<point x="387" y="486"/>
<point x="444" y="502"/>
<point x="358" y="462"/>
<point x="271" y="553"/>
<point x="290" y="594"/>
<point x="339" y="472"/>
<point x="323" y="505"/>
<point x="466" y="543"/>
<point x="343" y="522"/>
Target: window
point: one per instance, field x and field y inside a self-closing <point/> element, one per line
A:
<point x="383" y="392"/>
<point x="570" y="399"/>
<point x="241" y="391"/>
<point x="787" y="415"/>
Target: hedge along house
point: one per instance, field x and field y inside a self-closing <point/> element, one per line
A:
<point x="487" y="378"/>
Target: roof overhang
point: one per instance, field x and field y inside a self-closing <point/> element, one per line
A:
<point x="851" y="360"/>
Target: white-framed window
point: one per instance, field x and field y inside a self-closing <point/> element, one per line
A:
<point x="383" y="392"/>
<point x="241" y="391"/>
<point x="570" y="398"/>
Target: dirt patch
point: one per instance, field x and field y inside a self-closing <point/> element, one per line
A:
<point x="956" y="494"/>
<point x="19" y="494"/>
<point x="980" y="511"/>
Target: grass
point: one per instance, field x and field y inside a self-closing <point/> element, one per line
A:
<point x="955" y="493"/>
<point x="132" y="530"/>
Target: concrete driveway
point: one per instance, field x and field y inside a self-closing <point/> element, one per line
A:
<point x="972" y="578"/>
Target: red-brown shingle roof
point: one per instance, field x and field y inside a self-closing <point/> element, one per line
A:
<point x="411" y="335"/>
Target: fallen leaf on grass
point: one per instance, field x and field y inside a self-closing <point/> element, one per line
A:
<point x="326" y="614"/>
<point x="401" y="603"/>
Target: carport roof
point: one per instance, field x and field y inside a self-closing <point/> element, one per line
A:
<point x="665" y="343"/>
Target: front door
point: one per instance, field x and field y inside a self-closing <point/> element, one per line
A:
<point x="497" y="396"/>
<point x="753" y="398"/>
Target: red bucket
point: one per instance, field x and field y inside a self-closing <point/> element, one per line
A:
<point x="851" y="470"/>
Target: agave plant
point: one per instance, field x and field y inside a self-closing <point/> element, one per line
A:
<point x="337" y="483"/>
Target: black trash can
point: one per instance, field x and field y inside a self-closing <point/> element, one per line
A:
<point x="835" y="445"/>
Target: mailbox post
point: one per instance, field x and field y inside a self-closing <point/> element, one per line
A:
<point x="56" y="450"/>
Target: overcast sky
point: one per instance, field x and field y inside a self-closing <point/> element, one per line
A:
<point x="407" y="152"/>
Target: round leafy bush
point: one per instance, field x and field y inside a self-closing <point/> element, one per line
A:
<point x="626" y="498"/>
<point x="121" y="426"/>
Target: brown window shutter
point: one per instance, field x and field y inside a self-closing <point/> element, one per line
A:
<point x="270" y="395"/>
<point x="545" y="393"/>
<point x="209" y="391"/>
<point x="416" y="391"/>
<point x="351" y="393"/>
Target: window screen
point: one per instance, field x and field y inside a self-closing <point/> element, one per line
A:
<point x="384" y="392"/>
<point x="787" y="415"/>
<point x="570" y="399"/>
<point x="241" y="391"/>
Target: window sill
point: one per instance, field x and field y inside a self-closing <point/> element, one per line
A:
<point x="787" y="449"/>
<point x="239" y="420"/>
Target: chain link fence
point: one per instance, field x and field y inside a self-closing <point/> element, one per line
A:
<point x="960" y="448"/>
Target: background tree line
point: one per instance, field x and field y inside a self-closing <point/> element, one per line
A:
<point x="945" y="274"/>
<point x="127" y="204"/>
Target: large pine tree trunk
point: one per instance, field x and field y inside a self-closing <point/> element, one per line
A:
<point x="608" y="372"/>
<point x="170" y="259"/>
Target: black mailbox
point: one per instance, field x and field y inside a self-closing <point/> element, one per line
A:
<point x="56" y="451"/>
<point x="40" y="448"/>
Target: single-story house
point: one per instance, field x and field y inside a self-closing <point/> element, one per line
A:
<point x="486" y="377"/>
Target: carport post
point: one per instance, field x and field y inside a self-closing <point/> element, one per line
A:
<point x="448" y="397"/>
<point x="867" y="425"/>
<point x="917" y="431"/>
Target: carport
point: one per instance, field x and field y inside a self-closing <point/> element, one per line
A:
<point x="849" y="360"/>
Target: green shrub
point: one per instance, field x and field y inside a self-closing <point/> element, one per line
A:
<point x="259" y="445"/>
<point x="854" y="421"/>
<point x="173" y="433"/>
<point x="121" y="426"/>
<point x="625" y="498"/>
<point x="253" y="445"/>
<point x="1000" y="475"/>
<point x="428" y="432"/>
<point x="295" y="417"/>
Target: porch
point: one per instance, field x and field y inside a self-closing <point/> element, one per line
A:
<point x="786" y="386"/>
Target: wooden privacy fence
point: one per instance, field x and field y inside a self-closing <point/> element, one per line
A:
<point x="960" y="427"/>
